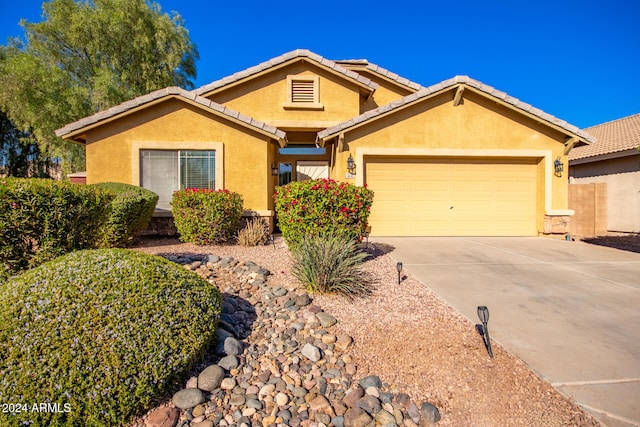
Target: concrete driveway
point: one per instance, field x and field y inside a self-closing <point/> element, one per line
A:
<point x="570" y="310"/>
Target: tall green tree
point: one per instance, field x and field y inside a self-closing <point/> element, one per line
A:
<point x="86" y="56"/>
<point x="20" y="155"/>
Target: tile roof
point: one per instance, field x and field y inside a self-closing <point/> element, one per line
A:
<point x="279" y="60"/>
<point x="381" y="71"/>
<point x="611" y="137"/>
<point x="425" y="92"/>
<point x="175" y="92"/>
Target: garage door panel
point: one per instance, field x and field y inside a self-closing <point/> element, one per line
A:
<point x="452" y="196"/>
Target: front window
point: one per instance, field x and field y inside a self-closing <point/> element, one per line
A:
<point x="166" y="171"/>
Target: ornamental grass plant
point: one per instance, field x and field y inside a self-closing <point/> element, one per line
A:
<point x="254" y="233"/>
<point x="330" y="263"/>
<point x="104" y="334"/>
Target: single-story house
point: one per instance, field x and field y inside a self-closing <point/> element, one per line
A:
<point x="455" y="158"/>
<point x="614" y="159"/>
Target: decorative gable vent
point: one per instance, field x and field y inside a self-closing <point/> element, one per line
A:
<point x="303" y="93"/>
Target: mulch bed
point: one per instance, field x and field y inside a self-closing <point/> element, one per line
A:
<point x="629" y="242"/>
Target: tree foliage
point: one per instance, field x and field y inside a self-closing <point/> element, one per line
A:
<point x="20" y="155"/>
<point x="86" y="56"/>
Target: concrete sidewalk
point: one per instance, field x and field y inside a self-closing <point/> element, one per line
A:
<point x="570" y="310"/>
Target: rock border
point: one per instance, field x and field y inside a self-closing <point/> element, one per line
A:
<point x="280" y="363"/>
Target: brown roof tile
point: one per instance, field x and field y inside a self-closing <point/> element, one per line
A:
<point x="278" y="60"/>
<point x="172" y="91"/>
<point x="446" y="84"/>
<point x="611" y="137"/>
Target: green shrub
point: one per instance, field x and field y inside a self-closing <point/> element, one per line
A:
<point x="330" y="264"/>
<point x="107" y="332"/>
<point x="42" y="218"/>
<point x="131" y="211"/>
<point x="254" y="233"/>
<point x="322" y="206"/>
<point x="206" y="216"/>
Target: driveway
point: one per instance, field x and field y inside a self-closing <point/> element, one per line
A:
<point x="570" y="310"/>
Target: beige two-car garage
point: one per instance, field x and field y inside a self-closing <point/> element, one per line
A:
<point x="451" y="196"/>
<point x="458" y="159"/>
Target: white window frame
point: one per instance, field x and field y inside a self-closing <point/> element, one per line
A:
<point x="311" y="105"/>
<point x="138" y="147"/>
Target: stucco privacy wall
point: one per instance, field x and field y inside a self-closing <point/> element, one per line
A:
<point x="621" y="175"/>
<point x="264" y="97"/>
<point x="242" y="156"/>
<point x="475" y="128"/>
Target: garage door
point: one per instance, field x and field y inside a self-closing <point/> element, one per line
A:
<point x="452" y="196"/>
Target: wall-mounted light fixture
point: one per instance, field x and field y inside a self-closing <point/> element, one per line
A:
<point x="351" y="165"/>
<point x="558" y="166"/>
<point x="274" y="169"/>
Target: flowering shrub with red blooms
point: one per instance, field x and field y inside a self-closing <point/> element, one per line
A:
<point x="205" y="216"/>
<point x="322" y="206"/>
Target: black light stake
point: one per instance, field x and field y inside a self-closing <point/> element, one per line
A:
<point x="399" y="268"/>
<point x="483" y="314"/>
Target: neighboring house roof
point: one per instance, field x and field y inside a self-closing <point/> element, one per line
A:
<point x="449" y="84"/>
<point x="285" y="59"/>
<point x="612" y="137"/>
<point x="75" y="129"/>
<point x="384" y="73"/>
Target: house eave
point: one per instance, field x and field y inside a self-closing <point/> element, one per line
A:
<point x="602" y="157"/>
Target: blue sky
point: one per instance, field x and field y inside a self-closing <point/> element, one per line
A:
<point x="578" y="60"/>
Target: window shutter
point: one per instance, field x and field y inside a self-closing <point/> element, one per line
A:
<point x="302" y="91"/>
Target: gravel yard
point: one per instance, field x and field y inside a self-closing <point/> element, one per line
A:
<point x="410" y="338"/>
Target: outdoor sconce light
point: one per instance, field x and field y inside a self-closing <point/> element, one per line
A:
<point x="483" y="314"/>
<point x="351" y="165"/>
<point x="399" y="268"/>
<point x="274" y="169"/>
<point x="558" y="166"/>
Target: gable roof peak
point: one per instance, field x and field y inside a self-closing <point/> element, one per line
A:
<point x="281" y="60"/>
<point x="159" y="95"/>
<point x="479" y="87"/>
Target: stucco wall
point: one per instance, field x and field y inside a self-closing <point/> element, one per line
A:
<point x="622" y="176"/>
<point x="477" y="127"/>
<point x="113" y="149"/>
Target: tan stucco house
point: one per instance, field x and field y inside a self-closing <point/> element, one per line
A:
<point x="613" y="159"/>
<point x="455" y="158"/>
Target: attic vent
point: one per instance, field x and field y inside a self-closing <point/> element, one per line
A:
<point x="303" y="92"/>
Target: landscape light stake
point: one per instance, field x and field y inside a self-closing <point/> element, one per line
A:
<point x="399" y="268"/>
<point x="273" y="241"/>
<point x="483" y="314"/>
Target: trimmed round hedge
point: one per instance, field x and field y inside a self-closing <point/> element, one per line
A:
<point x="102" y="334"/>
<point x="131" y="211"/>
